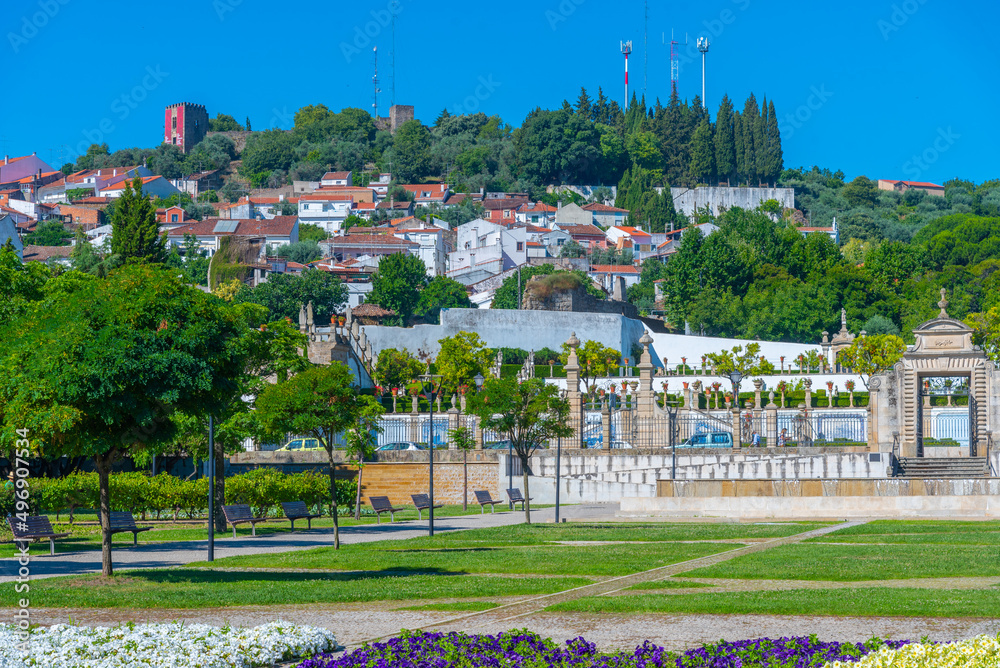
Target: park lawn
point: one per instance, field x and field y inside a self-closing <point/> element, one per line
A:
<point x="199" y="588"/>
<point x="849" y="602"/>
<point x="88" y="536"/>
<point x="539" y="534"/>
<point x="917" y="532"/>
<point x="594" y="560"/>
<point x="852" y="563"/>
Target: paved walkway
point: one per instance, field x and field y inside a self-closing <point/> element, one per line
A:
<point x="180" y="553"/>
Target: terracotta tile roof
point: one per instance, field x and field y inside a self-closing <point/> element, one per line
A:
<point x="121" y="184"/>
<point x="201" y="228"/>
<point x="366" y="206"/>
<point x="33" y="177"/>
<point x="318" y="196"/>
<point x="369" y="240"/>
<point x="385" y="204"/>
<point x="93" y="200"/>
<point x="582" y="230"/>
<point x="371" y="311"/>
<point x="915" y="184"/>
<point x="536" y="207"/>
<point x="20" y="157"/>
<point x="42" y="253"/>
<point x="613" y="269"/>
<point x="509" y="203"/>
<point x="458" y="198"/>
<point x="279" y="226"/>
<point x="602" y="208"/>
<point x="335" y="176"/>
<point x="633" y="231"/>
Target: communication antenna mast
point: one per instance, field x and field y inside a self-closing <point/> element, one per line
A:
<point x="626" y="50"/>
<point x="392" y="93"/>
<point x="674" y="62"/>
<point x="703" y="45"/>
<point x="375" y="82"/>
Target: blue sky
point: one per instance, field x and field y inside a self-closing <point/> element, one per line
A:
<point x="891" y="89"/>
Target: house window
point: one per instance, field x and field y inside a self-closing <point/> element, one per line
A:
<point x="175" y="123"/>
<point x="173" y="218"/>
<point x="560" y="242"/>
<point x="520" y="246"/>
<point x="506" y="213"/>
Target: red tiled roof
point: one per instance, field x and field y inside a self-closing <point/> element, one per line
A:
<point x="279" y="226"/>
<point x="42" y="253"/>
<point x="326" y="197"/>
<point x="495" y="204"/>
<point x="121" y="184"/>
<point x="536" y="207"/>
<point x="915" y="184"/>
<point x="371" y="311"/>
<point x="602" y="208"/>
<point x="335" y="176"/>
<point x="93" y="200"/>
<point x="582" y="230"/>
<point x="32" y="177"/>
<point x="613" y="269"/>
<point x="633" y="231"/>
<point x="369" y="240"/>
<point x="200" y="228"/>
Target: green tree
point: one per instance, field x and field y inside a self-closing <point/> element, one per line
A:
<point x="725" y="149"/>
<point x="223" y="123"/>
<point x="20" y="284"/>
<point x="596" y="361"/>
<point x="397" y="283"/>
<point x="746" y="361"/>
<point x="879" y="324"/>
<point x="322" y="402"/>
<point x="986" y="331"/>
<point x="528" y="414"/>
<point x="302" y="252"/>
<point x="461" y="358"/>
<point x="411" y="152"/>
<point x="360" y="441"/>
<point x="285" y="294"/>
<point x="396" y="368"/>
<point x="267" y="151"/>
<point x="99" y="367"/>
<point x="311" y="232"/>
<point x="464" y="440"/>
<point x="862" y="191"/>
<point x="441" y="293"/>
<point x="775" y="157"/>
<point x="49" y="233"/>
<point x="702" y="153"/>
<point x="135" y="234"/>
<point x="868" y="356"/>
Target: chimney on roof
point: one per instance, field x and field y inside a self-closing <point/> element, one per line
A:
<point x="6" y="159"/>
<point x="559" y="204"/>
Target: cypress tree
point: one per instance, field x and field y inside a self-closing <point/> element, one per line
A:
<point x="751" y="112"/>
<point x="702" y="156"/>
<point x="763" y="157"/>
<point x="725" y="156"/>
<point x="599" y="112"/>
<point x="135" y="234"/>
<point x="741" y="167"/>
<point x="583" y="105"/>
<point x="774" y="144"/>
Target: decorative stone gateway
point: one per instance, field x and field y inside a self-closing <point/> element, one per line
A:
<point x="943" y="349"/>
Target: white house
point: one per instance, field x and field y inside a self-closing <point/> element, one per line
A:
<point x="97" y="180"/>
<point x="607" y="216"/>
<point x="433" y="248"/>
<point x="484" y="249"/>
<point x="535" y="213"/>
<point x="336" y="179"/>
<point x="8" y="232"/>
<point x="327" y="210"/>
<point x="629" y="237"/>
<point x="157" y="186"/>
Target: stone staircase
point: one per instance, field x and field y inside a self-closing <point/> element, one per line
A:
<point x="943" y="467"/>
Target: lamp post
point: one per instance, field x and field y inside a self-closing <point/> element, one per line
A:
<point x="562" y="394"/>
<point x="211" y="488"/>
<point x="429" y="394"/>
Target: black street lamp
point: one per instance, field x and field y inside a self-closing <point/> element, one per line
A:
<point x="735" y="377"/>
<point x="427" y="381"/>
<point x="558" y="464"/>
<point x="211" y="488"/>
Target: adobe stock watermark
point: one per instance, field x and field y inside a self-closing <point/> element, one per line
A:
<point x="562" y="12"/>
<point x="363" y="35"/>
<point x="22" y="510"/>
<point x="122" y="107"/>
<point x="794" y="120"/>
<point x="281" y="118"/>
<point x="471" y="104"/>
<point x="919" y="163"/>
<point x="898" y="17"/>
<point x="223" y="7"/>
<point x="712" y="28"/>
<point x="34" y="22"/>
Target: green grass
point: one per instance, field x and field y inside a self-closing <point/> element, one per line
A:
<point x="669" y="583"/>
<point x="457" y="606"/>
<point x="414" y="556"/>
<point x="851" y="563"/>
<point x="927" y="532"/>
<point x="861" y="602"/>
<point x="186" y="588"/>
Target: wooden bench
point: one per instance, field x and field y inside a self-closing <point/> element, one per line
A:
<point x="380" y="504"/>
<point x="123" y="522"/>
<point x="240" y="514"/>
<point x="32" y="528"/>
<point x="296" y="510"/>
<point x="484" y="499"/>
<point x="422" y="502"/>
<point x="515" y="497"/>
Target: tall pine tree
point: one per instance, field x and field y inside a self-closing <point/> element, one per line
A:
<point x="762" y="158"/>
<point x="725" y="149"/>
<point x="776" y="157"/>
<point x="741" y="154"/>
<point x="583" y="105"/>
<point x="599" y="112"/>
<point x="702" y="164"/>
<point x="135" y="234"/>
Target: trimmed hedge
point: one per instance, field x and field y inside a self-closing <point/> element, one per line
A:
<point x="263" y="489"/>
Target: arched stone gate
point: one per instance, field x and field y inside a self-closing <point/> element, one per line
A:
<point x="903" y="397"/>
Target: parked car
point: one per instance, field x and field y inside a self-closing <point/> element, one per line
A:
<point x="711" y="439"/>
<point x="301" y="444"/>
<point x="400" y="445"/>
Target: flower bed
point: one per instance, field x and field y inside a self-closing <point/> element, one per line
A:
<point x="522" y="649"/>
<point x="176" y="645"/>
<point x="978" y="652"/>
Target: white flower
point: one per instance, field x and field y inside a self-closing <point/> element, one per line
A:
<point x="173" y="645"/>
<point x="978" y="652"/>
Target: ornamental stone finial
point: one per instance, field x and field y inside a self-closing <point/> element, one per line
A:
<point x="943" y="304"/>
